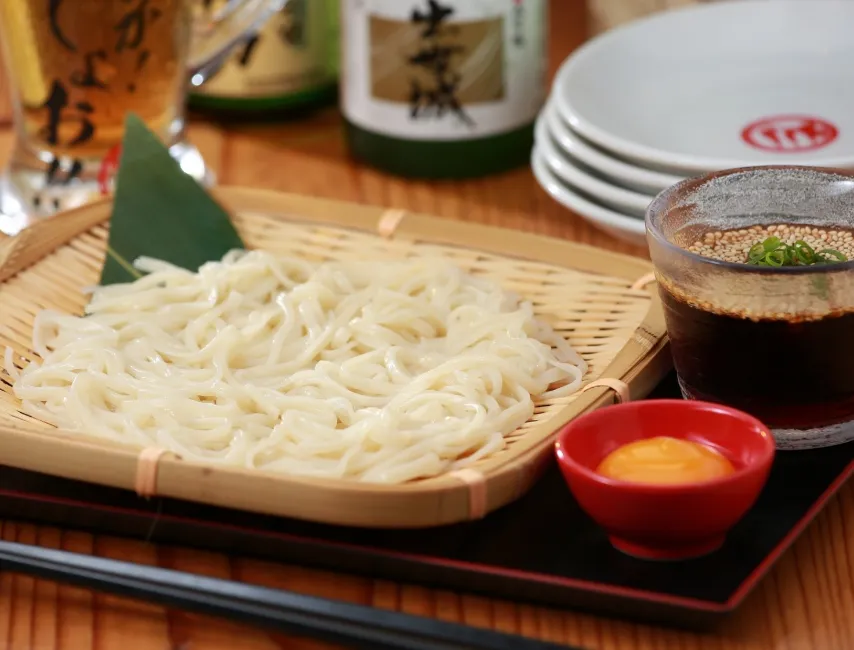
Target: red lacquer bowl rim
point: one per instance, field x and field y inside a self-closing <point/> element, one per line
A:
<point x="752" y="426"/>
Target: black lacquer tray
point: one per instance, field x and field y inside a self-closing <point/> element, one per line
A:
<point x="542" y="548"/>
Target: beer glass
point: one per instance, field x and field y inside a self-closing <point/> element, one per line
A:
<point x="77" y="67"/>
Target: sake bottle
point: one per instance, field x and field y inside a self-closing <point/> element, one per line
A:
<point x="442" y="88"/>
<point x="289" y="67"/>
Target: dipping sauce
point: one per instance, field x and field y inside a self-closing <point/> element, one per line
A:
<point x="664" y="461"/>
<point x="710" y="342"/>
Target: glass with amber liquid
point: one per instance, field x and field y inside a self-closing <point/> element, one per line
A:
<point x="78" y="67"/>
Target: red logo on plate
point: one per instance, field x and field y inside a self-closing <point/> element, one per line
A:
<point x="790" y="133"/>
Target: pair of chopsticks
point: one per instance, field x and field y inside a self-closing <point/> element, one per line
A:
<point x="332" y="621"/>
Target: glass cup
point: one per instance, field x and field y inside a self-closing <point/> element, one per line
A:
<point x="774" y="341"/>
<point x="76" y="67"/>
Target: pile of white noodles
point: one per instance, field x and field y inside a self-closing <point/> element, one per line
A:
<point x="379" y="372"/>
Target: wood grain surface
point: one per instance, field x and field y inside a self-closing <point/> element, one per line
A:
<point x="806" y="602"/>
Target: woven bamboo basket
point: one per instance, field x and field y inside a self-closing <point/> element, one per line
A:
<point x="587" y="294"/>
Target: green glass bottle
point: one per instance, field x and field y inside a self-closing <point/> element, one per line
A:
<point x="442" y="88"/>
<point x="289" y="67"/>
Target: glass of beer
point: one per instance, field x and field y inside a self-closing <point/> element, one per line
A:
<point x="77" y="67"/>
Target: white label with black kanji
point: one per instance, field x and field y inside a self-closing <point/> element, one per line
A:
<point x="443" y="69"/>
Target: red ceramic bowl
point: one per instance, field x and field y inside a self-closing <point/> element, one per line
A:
<point x="666" y="522"/>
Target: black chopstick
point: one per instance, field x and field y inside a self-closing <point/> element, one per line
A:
<point x="332" y="621"/>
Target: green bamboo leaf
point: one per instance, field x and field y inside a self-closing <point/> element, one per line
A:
<point x="159" y="211"/>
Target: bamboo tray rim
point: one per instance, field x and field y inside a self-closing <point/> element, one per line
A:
<point x="645" y="348"/>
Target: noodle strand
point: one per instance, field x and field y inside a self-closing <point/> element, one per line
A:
<point x="378" y="372"/>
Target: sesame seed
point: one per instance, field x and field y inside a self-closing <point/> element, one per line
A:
<point x="732" y="246"/>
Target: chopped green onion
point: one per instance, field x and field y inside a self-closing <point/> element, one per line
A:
<point x="839" y="257"/>
<point x="773" y="252"/>
<point x="756" y="252"/>
<point x="771" y="244"/>
<point x="804" y="252"/>
<point x="775" y="258"/>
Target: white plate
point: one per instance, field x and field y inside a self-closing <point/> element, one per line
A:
<point x="622" y="173"/>
<point x="611" y="196"/>
<point x="719" y="85"/>
<point x="620" y="226"/>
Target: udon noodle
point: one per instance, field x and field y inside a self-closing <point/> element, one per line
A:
<point x="380" y="372"/>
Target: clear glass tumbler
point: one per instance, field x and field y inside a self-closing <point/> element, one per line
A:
<point x="776" y="341"/>
<point x="77" y="67"/>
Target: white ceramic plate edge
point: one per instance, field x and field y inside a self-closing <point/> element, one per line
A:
<point x="642" y="154"/>
<point x="623" y="227"/>
<point x="634" y="177"/>
<point x="611" y="195"/>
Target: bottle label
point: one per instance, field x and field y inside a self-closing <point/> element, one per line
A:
<point x="443" y="69"/>
<point x="289" y="55"/>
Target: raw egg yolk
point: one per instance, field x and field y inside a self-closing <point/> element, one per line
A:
<point x="665" y="460"/>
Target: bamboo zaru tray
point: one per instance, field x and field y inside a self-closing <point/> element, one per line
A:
<point x="600" y="301"/>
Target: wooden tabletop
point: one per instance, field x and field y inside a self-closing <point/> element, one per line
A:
<point x="806" y="602"/>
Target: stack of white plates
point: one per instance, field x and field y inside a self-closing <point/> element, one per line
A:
<point x="696" y="90"/>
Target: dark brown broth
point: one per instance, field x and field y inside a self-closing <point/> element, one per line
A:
<point x="796" y="373"/>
